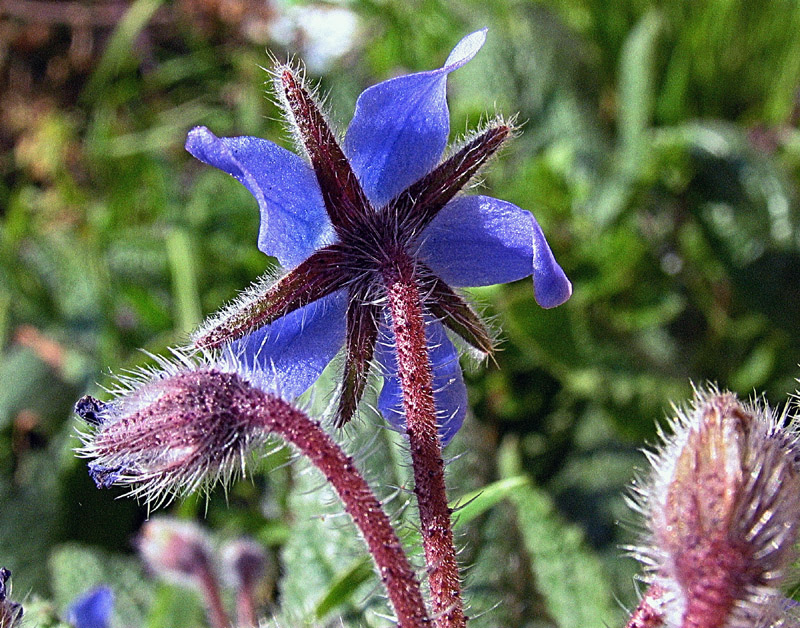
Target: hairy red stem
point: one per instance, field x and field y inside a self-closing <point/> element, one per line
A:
<point x="416" y="382"/>
<point x="246" y="607"/>
<point x="209" y="585"/>
<point x="359" y="502"/>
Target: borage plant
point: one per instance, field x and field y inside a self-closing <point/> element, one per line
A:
<point x="375" y="238"/>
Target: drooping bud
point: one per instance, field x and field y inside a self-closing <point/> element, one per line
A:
<point x="181" y="552"/>
<point x="175" y="550"/>
<point x="722" y="510"/>
<point x="245" y="566"/>
<point x="192" y="422"/>
<point x="10" y="612"/>
<point x="173" y="430"/>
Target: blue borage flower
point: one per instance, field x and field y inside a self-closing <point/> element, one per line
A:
<point x="92" y="609"/>
<point x="340" y="219"/>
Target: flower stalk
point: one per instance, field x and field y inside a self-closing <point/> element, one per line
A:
<point x="359" y="502"/>
<point x="166" y="435"/>
<point x="416" y="382"/>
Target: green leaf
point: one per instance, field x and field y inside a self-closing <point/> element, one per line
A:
<point x="118" y="51"/>
<point x="74" y="569"/>
<point x="342" y="589"/>
<point x="636" y="90"/>
<point x="479" y="501"/>
<point x="184" y="279"/>
<point x="569" y="576"/>
<point x="175" y="607"/>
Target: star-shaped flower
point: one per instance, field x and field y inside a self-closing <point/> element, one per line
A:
<point x="343" y="219"/>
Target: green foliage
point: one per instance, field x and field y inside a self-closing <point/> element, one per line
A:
<point x="660" y="153"/>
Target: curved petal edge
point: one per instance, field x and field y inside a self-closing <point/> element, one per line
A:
<point x="294" y="222"/>
<point x="400" y="126"/>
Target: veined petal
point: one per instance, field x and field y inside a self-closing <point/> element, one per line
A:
<point x="449" y="390"/>
<point x="480" y="241"/>
<point x="294" y="222"/>
<point x="400" y="127"/>
<point x="294" y="350"/>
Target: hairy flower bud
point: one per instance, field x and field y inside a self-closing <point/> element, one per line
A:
<point x="10" y="612"/>
<point x="723" y="509"/>
<point x="245" y="563"/>
<point x="173" y="430"/>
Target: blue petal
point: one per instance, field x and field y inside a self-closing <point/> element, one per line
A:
<point x="480" y="241"/>
<point x="292" y="352"/>
<point x="400" y="127"/>
<point x="294" y="222"/>
<point x="450" y="392"/>
<point x="92" y="609"/>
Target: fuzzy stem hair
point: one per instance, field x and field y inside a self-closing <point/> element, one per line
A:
<point x="416" y="382"/>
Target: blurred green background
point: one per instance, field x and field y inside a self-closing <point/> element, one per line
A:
<point x="660" y="153"/>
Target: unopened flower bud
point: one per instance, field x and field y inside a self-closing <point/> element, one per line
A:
<point x="723" y="509"/>
<point x="245" y="563"/>
<point x="245" y="566"/>
<point x="175" y="550"/>
<point x="173" y="430"/>
<point x="180" y="551"/>
<point x="10" y="612"/>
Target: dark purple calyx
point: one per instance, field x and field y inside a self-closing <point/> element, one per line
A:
<point x="371" y="242"/>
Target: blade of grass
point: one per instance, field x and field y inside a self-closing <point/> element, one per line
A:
<point x="119" y="50"/>
<point x="188" y="312"/>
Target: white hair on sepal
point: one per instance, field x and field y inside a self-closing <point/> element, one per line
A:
<point x="244" y="300"/>
<point x="298" y="71"/>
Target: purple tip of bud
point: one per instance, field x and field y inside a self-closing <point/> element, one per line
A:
<point x="5" y="576"/>
<point x="90" y="410"/>
<point x="93" y="609"/>
<point x="104" y="477"/>
<point x="175" y="550"/>
<point x="246" y="562"/>
<point x="10" y="612"/>
<point x="172" y="430"/>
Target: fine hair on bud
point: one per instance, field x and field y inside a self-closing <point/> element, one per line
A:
<point x="174" y="428"/>
<point x="721" y="507"/>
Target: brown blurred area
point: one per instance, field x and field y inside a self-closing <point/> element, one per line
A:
<point x="49" y="49"/>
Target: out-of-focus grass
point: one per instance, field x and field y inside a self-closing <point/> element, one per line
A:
<point x="660" y="154"/>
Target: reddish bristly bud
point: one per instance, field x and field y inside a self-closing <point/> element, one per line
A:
<point x="10" y="612"/>
<point x="173" y="429"/>
<point x="722" y="508"/>
<point x="196" y="420"/>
